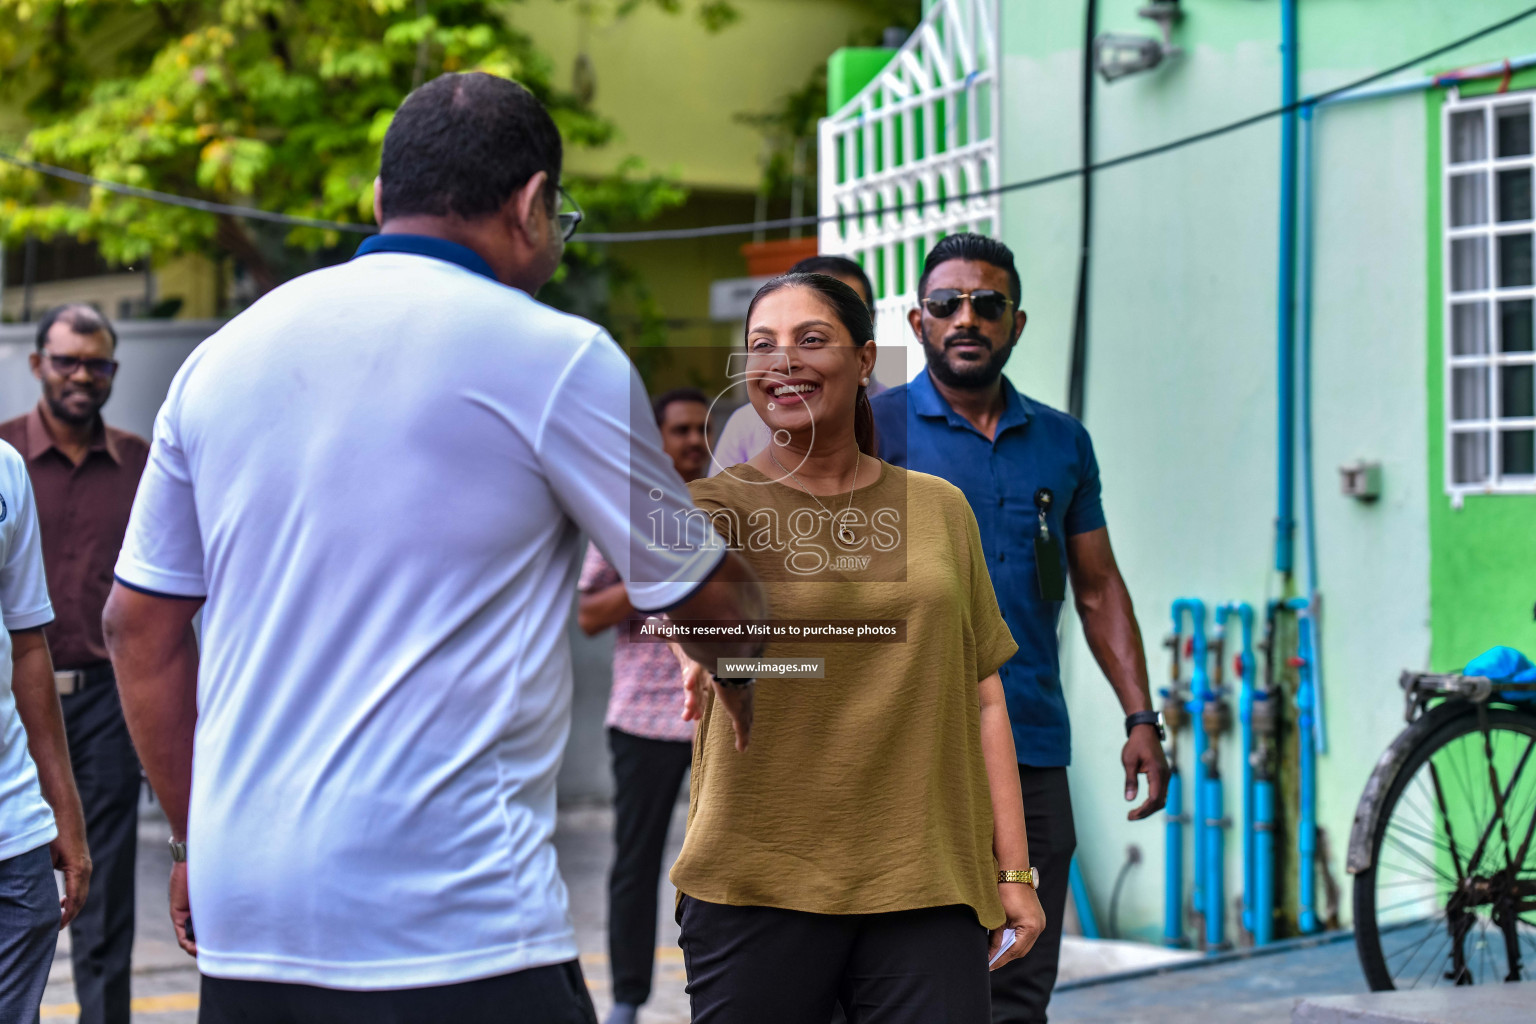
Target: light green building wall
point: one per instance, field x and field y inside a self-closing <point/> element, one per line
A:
<point x="676" y="91"/>
<point x="1483" y="570"/>
<point x="1182" y="366"/>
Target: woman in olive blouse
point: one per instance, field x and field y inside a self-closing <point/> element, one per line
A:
<point x="853" y="852"/>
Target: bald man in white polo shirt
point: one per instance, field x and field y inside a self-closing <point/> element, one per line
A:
<point x="374" y="482"/>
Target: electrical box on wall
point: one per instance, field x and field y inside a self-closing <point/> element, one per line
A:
<point x="1361" y="480"/>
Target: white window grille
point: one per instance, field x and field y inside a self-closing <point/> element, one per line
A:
<point x="926" y="129"/>
<point x="1490" y="288"/>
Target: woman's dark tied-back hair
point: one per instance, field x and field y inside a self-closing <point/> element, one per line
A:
<point x="851" y="312"/>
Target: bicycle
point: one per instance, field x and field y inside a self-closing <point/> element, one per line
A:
<point x="1441" y="850"/>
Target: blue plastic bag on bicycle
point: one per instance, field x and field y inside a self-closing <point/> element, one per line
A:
<point x="1505" y="665"/>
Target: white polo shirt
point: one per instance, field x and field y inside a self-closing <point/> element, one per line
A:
<point x="26" y="821"/>
<point x="378" y="476"/>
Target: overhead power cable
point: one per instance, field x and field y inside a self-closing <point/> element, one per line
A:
<point x="190" y="202"/>
<point x="717" y="230"/>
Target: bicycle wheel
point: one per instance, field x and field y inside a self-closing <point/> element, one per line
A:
<point x="1449" y="895"/>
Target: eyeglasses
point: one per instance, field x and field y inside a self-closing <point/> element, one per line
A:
<point x="65" y="366"/>
<point x="568" y="219"/>
<point x="988" y="304"/>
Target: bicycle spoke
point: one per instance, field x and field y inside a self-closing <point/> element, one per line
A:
<point x="1404" y="903"/>
<point x="1435" y="926"/>
<point x="1499" y="798"/>
<point x="1530" y="814"/>
<point x="1445" y="819"/>
<point x="1422" y="812"/>
<point x="1417" y="880"/>
<point x="1438" y="958"/>
<point x="1418" y="857"/>
<point x="1455" y="832"/>
<point x="1432" y="840"/>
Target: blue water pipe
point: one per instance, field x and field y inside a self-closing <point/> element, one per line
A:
<point x="1262" y="713"/>
<point x="1085" y="918"/>
<point x="1306" y="754"/>
<point x="1173" y="862"/>
<point x="1285" y="513"/>
<point x="1199" y="690"/>
<point x="1309" y="509"/>
<point x="1262" y="905"/>
<point x="1174" y="816"/>
<point x="1215" y="862"/>
<point x="1244" y="666"/>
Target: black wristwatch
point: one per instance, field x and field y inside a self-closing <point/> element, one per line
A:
<point x="733" y="682"/>
<point x="1152" y="718"/>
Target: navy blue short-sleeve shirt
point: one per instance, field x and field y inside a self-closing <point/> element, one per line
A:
<point x="1036" y="446"/>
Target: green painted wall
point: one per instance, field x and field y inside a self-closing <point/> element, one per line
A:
<point x="1483" y="554"/>
<point x="676" y="91"/>
<point x="1181" y="372"/>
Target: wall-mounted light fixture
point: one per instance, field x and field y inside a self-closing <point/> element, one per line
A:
<point x="1117" y="55"/>
<point x="1361" y="480"/>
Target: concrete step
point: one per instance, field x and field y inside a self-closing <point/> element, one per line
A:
<point x="1476" y="1004"/>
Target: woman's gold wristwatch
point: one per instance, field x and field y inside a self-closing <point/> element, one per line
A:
<point x="1029" y="876"/>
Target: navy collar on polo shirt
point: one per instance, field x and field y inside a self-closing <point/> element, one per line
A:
<point x="926" y="401"/>
<point x="427" y="245"/>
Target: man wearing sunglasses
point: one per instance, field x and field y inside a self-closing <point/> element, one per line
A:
<point x="84" y="474"/>
<point x="1030" y="475"/>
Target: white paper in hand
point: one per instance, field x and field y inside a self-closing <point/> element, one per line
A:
<point x="1009" y="938"/>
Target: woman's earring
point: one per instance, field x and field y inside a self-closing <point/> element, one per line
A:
<point x="864" y="383"/>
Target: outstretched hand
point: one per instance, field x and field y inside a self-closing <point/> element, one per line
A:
<point x="737" y="700"/>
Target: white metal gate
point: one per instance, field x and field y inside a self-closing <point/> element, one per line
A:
<point x="925" y="132"/>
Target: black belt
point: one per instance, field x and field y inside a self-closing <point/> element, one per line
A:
<point x="74" y="680"/>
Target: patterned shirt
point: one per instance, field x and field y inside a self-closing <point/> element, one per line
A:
<point x="647" y="695"/>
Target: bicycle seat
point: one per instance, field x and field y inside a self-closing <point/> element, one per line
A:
<point x="1505" y="665"/>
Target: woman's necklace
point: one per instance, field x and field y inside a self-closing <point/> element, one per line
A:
<point x="844" y="533"/>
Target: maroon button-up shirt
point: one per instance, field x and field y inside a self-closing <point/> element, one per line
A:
<point x="83" y="513"/>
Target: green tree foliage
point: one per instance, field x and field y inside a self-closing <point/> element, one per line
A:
<point x="270" y="103"/>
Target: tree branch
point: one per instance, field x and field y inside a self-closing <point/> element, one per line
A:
<point x="235" y="240"/>
<point x="279" y="44"/>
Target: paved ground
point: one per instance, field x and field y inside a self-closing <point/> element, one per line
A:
<point x="1260" y="990"/>
<point x="1494" y="1004"/>
<point x="1233" y="989"/>
<point x="165" y="978"/>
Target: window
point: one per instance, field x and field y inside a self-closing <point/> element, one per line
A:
<point x="1490" y="288"/>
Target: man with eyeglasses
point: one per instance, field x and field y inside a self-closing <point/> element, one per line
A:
<point x="84" y="474"/>
<point x="1030" y="475"/>
<point x="374" y="482"/>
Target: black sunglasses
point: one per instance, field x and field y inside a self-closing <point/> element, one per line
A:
<point x="568" y="219"/>
<point x="988" y="304"/>
<point x="65" y="366"/>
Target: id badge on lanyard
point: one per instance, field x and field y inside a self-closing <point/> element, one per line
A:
<point x="1048" y="569"/>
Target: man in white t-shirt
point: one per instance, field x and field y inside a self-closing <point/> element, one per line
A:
<point x="374" y="482"/>
<point x="41" y="824"/>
